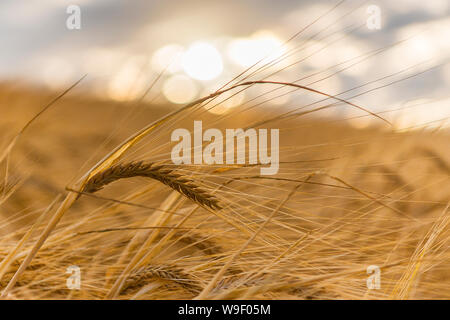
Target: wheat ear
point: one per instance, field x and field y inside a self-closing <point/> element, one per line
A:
<point x="161" y="173"/>
<point x="167" y="273"/>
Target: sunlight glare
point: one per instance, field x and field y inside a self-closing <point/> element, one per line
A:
<point x="225" y="102"/>
<point x="247" y="51"/>
<point x="202" y="61"/>
<point x="168" y="58"/>
<point x="179" y="89"/>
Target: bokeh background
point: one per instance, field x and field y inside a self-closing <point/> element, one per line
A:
<point x="200" y="45"/>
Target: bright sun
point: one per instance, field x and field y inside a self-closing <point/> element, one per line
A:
<point x="202" y="61"/>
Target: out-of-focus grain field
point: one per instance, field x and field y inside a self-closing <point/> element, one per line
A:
<point x="344" y="199"/>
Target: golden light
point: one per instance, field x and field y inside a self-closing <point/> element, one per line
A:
<point x="168" y="58"/>
<point x="225" y="102"/>
<point x="422" y="112"/>
<point x="318" y="59"/>
<point x="57" y="72"/>
<point x="247" y="51"/>
<point x="350" y="51"/>
<point x="103" y="62"/>
<point x="179" y="89"/>
<point x="280" y="95"/>
<point x="128" y="82"/>
<point x="432" y="44"/>
<point x="202" y="61"/>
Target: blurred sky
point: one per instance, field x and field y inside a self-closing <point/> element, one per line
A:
<point x="123" y="45"/>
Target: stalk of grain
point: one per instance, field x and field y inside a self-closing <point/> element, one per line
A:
<point x="167" y="273"/>
<point x="160" y="173"/>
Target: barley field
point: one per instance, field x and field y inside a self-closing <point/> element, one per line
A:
<point x="358" y="209"/>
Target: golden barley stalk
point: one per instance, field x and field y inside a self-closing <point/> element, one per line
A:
<point x="157" y="172"/>
<point x="139" y="278"/>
